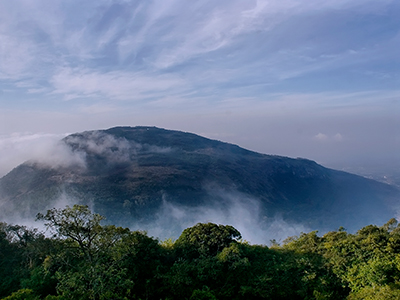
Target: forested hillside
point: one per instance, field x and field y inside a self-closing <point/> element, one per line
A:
<point x="79" y="258"/>
<point x="135" y="175"/>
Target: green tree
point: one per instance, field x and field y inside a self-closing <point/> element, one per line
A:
<point x="205" y="239"/>
<point x="384" y="292"/>
<point x="11" y="257"/>
<point x="78" y="226"/>
<point x="87" y="263"/>
<point x="145" y="261"/>
<point x="21" y="250"/>
<point x="23" y="294"/>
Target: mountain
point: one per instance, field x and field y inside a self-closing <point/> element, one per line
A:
<point x="139" y="175"/>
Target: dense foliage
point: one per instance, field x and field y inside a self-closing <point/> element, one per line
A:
<point x="83" y="259"/>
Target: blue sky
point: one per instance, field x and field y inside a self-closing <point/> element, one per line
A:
<point x="314" y="79"/>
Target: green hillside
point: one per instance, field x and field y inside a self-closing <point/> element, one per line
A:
<point x="129" y="174"/>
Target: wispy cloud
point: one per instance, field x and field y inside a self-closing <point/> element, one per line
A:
<point x="274" y="39"/>
<point x="97" y="108"/>
<point x="115" y="85"/>
<point x="177" y="63"/>
<point x="328" y="138"/>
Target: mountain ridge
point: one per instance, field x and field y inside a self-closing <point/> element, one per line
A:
<point x="132" y="173"/>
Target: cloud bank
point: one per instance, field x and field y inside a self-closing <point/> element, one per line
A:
<point x="46" y="149"/>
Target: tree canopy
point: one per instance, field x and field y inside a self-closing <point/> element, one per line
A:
<point x="84" y="259"/>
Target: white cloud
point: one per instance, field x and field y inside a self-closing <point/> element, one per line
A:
<point x="98" y="108"/>
<point x="115" y="149"/>
<point x="42" y="148"/>
<point x="82" y="39"/>
<point x="328" y="138"/>
<point x="116" y="85"/>
<point x="321" y="137"/>
<point x="16" y="57"/>
<point x="338" y="137"/>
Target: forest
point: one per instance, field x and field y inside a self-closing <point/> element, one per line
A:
<point x="79" y="258"/>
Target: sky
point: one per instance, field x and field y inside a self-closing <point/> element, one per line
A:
<point x="313" y="79"/>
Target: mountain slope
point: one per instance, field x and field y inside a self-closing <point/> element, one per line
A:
<point x="132" y="174"/>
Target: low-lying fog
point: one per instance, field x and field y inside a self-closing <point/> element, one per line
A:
<point x="239" y="211"/>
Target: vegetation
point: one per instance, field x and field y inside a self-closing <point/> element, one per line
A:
<point x="136" y="172"/>
<point x="83" y="259"/>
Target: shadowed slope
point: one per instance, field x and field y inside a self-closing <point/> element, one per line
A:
<point x="130" y="173"/>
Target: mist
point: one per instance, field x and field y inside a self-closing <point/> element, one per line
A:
<point x="233" y="208"/>
<point x="50" y="151"/>
<point x="26" y="216"/>
<point x="45" y="149"/>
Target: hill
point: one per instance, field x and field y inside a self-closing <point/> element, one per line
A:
<point x="145" y="175"/>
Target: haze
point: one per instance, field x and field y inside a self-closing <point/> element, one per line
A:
<point x="311" y="79"/>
